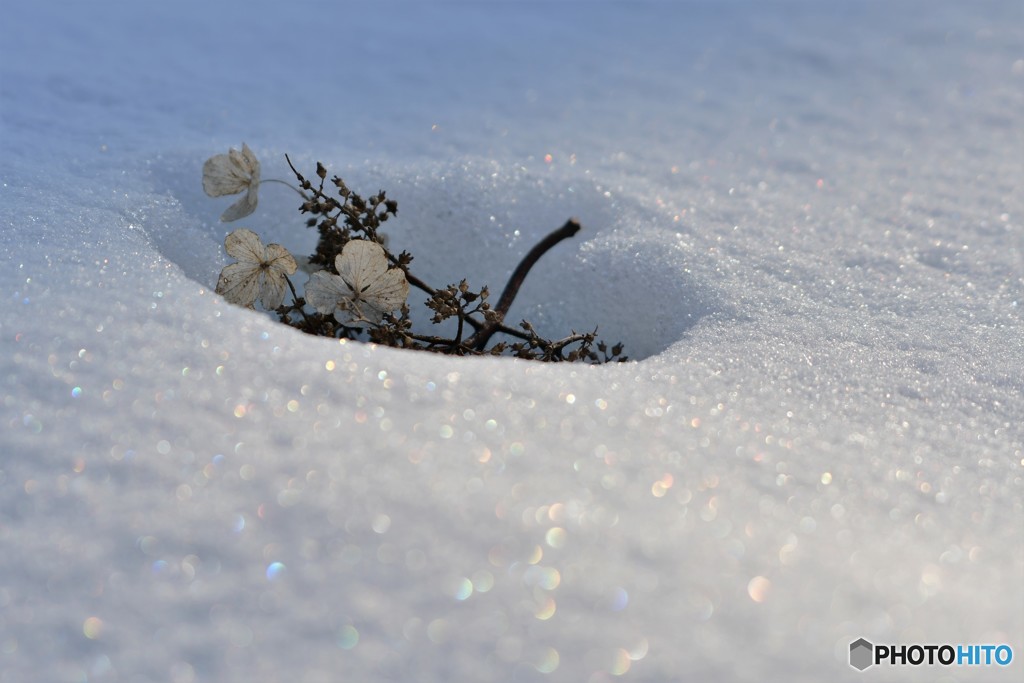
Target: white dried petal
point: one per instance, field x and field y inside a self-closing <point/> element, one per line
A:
<point x="244" y="245"/>
<point x="232" y="173"/>
<point x="326" y="291"/>
<point x="240" y="209"/>
<point x="260" y="271"/>
<point x="364" y="290"/>
<point x="239" y="284"/>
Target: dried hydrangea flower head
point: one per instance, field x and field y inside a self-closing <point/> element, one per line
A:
<point x="232" y="173"/>
<point x="261" y="272"/>
<point x="364" y="288"/>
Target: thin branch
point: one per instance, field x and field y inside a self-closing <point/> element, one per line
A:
<point x="306" y="185"/>
<point x="286" y="184"/>
<point x="427" y="339"/>
<point x="479" y="340"/>
<point x="458" y="333"/>
<point x="297" y="174"/>
<point x="295" y="298"/>
<point x="502" y="328"/>
<point x="413" y="280"/>
<point x="556" y="347"/>
<point x="571" y="227"/>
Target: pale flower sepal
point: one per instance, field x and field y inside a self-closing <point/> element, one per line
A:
<point x="365" y="288"/>
<point x="260" y="271"/>
<point x="232" y="173"/>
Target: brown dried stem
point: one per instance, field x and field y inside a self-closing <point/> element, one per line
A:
<point x="479" y="340"/>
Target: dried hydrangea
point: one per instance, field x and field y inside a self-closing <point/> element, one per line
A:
<point x="232" y="173"/>
<point x="366" y="296"/>
<point x="260" y="273"/>
<point x="364" y="288"/>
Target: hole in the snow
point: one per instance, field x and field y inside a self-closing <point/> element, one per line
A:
<point x="624" y="273"/>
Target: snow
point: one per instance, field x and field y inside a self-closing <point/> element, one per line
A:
<point x="802" y="219"/>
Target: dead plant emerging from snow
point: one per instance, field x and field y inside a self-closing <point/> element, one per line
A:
<point x="362" y="288"/>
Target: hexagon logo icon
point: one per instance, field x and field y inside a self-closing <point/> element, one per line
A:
<point x="861" y="654"/>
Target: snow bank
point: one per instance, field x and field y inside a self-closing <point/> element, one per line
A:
<point x="804" y="221"/>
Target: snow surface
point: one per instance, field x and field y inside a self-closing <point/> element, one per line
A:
<point x="804" y="220"/>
